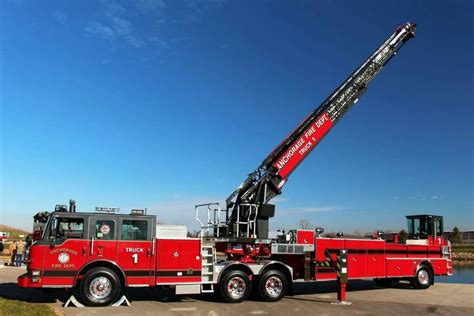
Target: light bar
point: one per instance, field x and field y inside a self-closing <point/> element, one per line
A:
<point x="137" y="211"/>
<point x="107" y="209"/>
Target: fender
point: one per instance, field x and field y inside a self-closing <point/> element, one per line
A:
<point x="102" y="263"/>
<point x="251" y="268"/>
<point x="429" y="265"/>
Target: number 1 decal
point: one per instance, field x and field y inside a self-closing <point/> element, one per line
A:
<point x="135" y="258"/>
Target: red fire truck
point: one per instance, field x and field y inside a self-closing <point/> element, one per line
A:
<point x="101" y="253"/>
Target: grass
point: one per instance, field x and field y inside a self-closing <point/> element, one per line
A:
<point x="19" y="308"/>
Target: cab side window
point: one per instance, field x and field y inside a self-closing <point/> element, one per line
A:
<point x="134" y="230"/>
<point x="67" y="228"/>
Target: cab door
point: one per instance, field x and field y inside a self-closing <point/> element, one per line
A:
<point x="136" y="253"/>
<point x="64" y="249"/>
<point x="103" y="238"/>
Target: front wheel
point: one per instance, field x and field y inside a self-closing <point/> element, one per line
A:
<point x="235" y="287"/>
<point x="273" y="286"/>
<point x="423" y="278"/>
<point x="100" y="287"/>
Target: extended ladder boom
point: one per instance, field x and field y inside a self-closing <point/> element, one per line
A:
<point x="268" y="179"/>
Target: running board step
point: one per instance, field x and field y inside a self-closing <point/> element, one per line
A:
<point x="209" y="289"/>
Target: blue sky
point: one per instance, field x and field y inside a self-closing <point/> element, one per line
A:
<point x="165" y="104"/>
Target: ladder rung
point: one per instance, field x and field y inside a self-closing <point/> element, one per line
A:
<point x="210" y="290"/>
<point x="207" y="291"/>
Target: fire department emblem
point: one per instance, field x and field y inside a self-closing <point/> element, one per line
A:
<point x="63" y="257"/>
<point x="105" y="229"/>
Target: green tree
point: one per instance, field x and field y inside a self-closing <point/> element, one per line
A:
<point x="456" y="236"/>
<point x="402" y="236"/>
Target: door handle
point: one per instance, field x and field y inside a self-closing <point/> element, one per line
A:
<point x="92" y="246"/>
<point x="84" y="251"/>
<point x="148" y="252"/>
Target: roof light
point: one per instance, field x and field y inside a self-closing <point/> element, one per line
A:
<point x="137" y="211"/>
<point x="112" y="210"/>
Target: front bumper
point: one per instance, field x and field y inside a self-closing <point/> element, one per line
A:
<point x="23" y="280"/>
<point x="26" y="280"/>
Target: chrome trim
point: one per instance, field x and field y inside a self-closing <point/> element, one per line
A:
<point x="181" y="283"/>
<point x="424" y="259"/>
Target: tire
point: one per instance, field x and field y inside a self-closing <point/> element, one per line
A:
<point x="272" y="286"/>
<point x="100" y="287"/>
<point x="235" y="287"/>
<point x="423" y="278"/>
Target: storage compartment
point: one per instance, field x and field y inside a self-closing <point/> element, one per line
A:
<point x="178" y="261"/>
<point x="171" y="231"/>
<point x="304" y="236"/>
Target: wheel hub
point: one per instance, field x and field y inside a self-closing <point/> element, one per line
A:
<point x="423" y="277"/>
<point x="274" y="286"/>
<point x="236" y="287"/>
<point x="100" y="288"/>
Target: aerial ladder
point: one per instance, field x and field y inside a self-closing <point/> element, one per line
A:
<point x="247" y="208"/>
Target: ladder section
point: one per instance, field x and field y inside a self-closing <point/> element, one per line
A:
<point x="208" y="260"/>
<point x="245" y="223"/>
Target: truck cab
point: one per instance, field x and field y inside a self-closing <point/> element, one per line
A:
<point x="422" y="226"/>
<point x="72" y="244"/>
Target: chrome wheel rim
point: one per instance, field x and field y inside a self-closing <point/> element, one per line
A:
<point x="274" y="286"/>
<point x="100" y="288"/>
<point x="236" y="287"/>
<point x="423" y="277"/>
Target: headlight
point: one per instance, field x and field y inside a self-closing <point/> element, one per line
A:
<point x="35" y="273"/>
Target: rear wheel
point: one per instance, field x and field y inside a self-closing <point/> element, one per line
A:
<point x="272" y="286"/>
<point x="423" y="278"/>
<point x="235" y="287"/>
<point x="100" y="287"/>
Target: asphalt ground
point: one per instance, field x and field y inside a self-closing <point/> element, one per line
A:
<point x="310" y="298"/>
